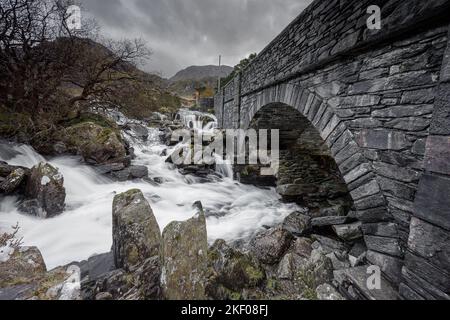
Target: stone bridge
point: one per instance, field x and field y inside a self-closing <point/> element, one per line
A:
<point x="380" y="100"/>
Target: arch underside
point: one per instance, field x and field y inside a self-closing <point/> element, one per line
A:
<point x="327" y="135"/>
<point x="308" y="174"/>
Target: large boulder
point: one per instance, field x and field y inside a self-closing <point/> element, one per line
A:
<point x="232" y="271"/>
<point x="317" y="270"/>
<point x="270" y="245"/>
<point x="137" y="130"/>
<point x="136" y="234"/>
<point x="46" y="186"/>
<point x="185" y="249"/>
<point x="62" y="283"/>
<point x="298" y="224"/>
<point x="95" y="143"/>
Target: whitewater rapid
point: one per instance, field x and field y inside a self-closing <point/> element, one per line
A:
<point x="234" y="211"/>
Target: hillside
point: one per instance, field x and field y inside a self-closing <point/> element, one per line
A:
<point x="186" y="81"/>
<point x="137" y="93"/>
<point x="201" y="72"/>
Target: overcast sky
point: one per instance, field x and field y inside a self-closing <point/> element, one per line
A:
<point x="182" y="33"/>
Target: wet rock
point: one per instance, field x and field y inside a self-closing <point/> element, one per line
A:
<point x="30" y="281"/>
<point x="321" y="266"/>
<point x="252" y="175"/>
<point x="354" y="281"/>
<point x="95" y="143"/>
<point x="232" y="270"/>
<point x="146" y="281"/>
<point x="169" y="139"/>
<point x="333" y="211"/>
<point x="159" y="180"/>
<point x="328" y="292"/>
<point x="339" y="261"/>
<point x="269" y="246"/>
<point x="357" y="254"/>
<point x="115" y="283"/>
<point x="136" y="234"/>
<point x="5" y="169"/>
<point x="18" y="292"/>
<point x="296" y="256"/>
<point x="13" y="181"/>
<point x="349" y="232"/>
<point x="98" y="265"/>
<point x="302" y="247"/>
<point x="185" y="248"/>
<point x="311" y="273"/>
<point x="286" y="267"/>
<point x="138" y="130"/>
<point x="297" y="223"/>
<point x="46" y="185"/>
<point x="68" y="288"/>
<point x="163" y="153"/>
<point x="32" y="208"/>
<point x="290" y="190"/>
<point x="329" y="245"/>
<point x="328" y="221"/>
<point x="390" y="246"/>
<point x="110" y="167"/>
<point x="130" y="173"/>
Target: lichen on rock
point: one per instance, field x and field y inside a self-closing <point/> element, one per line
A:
<point x="185" y="248"/>
<point x="136" y="234"/>
<point x="46" y="186"/>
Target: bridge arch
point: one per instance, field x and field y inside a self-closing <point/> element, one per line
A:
<point x="296" y="112"/>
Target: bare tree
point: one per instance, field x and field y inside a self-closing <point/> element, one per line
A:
<point x="32" y="61"/>
<point x="40" y="56"/>
<point x="103" y="65"/>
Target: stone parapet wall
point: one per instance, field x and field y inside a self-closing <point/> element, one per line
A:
<point x="328" y="30"/>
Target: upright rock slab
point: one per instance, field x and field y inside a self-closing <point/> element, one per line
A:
<point x="136" y="234"/>
<point x="46" y="185"/>
<point x="185" y="249"/>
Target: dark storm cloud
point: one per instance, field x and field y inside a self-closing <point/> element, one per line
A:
<point x="194" y="32"/>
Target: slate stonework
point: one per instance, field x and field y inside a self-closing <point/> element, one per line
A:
<point x="380" y="101"/>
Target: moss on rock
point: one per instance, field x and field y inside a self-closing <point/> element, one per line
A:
<point x="97" y="144"/>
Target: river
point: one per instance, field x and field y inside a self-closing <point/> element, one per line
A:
<point x="234" y="211"/>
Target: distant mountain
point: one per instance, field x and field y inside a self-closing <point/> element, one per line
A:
<point x="201" y="72"/>
<point x="187" y="81"/>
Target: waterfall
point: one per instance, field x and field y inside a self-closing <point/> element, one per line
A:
<point x="197" y="120"/>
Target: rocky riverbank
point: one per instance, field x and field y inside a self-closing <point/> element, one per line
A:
<point x="306" y="256"/>
<point x="294" y="260"/>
